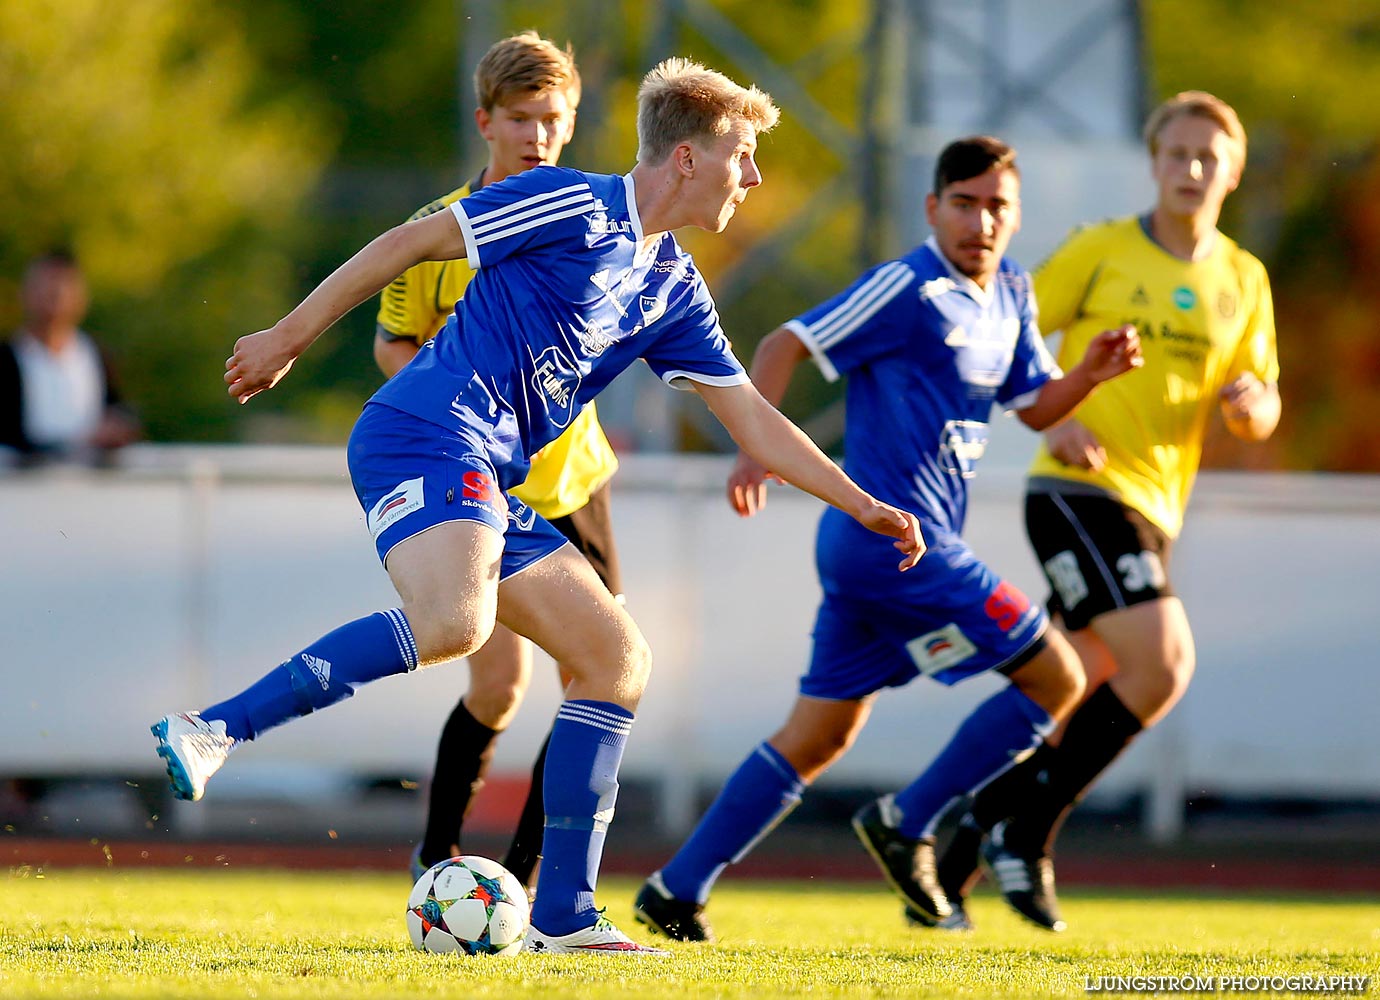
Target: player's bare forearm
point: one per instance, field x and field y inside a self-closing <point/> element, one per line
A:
<point x="261" y="359"/>
<point x="435" y="237"/>
<point x="763" y="433"/>
<point x="1110" y="354"/>
<point x="773" y="364"/>
<point x="1058" y="398"/>
<point x="760" y="430"/>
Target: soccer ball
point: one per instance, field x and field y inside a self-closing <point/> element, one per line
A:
<point x="468" y="904"/>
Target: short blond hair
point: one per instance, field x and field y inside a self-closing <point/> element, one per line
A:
<point x="681" y="100"/>
<point x="525" y="65"/>
<point x="1200" y="104"/>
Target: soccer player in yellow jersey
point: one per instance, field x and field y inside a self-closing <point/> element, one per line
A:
<point x="528" y="90"/>
<point x="1107" y="490"/>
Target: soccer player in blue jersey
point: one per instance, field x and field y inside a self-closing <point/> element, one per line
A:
<point x="578" y="276"/>
<point x="930" y="342"/>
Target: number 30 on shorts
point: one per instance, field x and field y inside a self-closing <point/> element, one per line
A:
<point x="1140" y="570"/>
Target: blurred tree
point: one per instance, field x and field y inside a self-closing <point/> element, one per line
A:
<point x="395" y="78"/>
<point x="210" y="163"/>
<point x="1303" y="78"/>
<point x="134" y="135"/>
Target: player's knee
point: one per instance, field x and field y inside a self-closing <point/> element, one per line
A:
<point x="1161" y="689"/>
<point x="812" y="751"/>
<point x="1182" y="661"/>
<point x="1054" y="679"/>
<point x="447" y="634"/>
<point x="1068" y="684"/>
<point x="494" y="704"/>
<point x="618" y="667"/>
<point x="637" y="666"/>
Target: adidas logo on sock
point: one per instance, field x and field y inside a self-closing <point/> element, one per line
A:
<point x="321" y="668"/>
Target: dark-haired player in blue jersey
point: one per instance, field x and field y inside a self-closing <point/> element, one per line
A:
<point x="930" y="342"/>
<point x="577" y="277"/>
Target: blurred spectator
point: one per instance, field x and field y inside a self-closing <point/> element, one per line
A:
<point x="58" y="396"/>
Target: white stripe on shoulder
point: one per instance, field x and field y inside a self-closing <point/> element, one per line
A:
<point x="537" y="223"/>
<point x="535" y="215"/>
<point x="519" y="206"/>
<point x="867" y="299"/>
<point x="802" y="333"/>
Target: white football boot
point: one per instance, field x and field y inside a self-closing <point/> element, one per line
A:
<point x="602" y="938"/>
<point x="193" y="749"/>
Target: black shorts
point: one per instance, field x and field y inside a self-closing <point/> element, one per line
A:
<point x="1097" y="554"/>
<point x="590" y="530"/>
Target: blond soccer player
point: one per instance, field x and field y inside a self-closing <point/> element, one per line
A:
<point x="579" y="276"/>
<point x="1107" y="491"/>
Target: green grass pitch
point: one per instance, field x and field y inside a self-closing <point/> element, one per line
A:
<point x="220" y="933"/>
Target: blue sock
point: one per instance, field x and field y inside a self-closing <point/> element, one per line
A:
<point x="997" y="734"/>
<point x="324" y="673"/>
<point x="756" y="797"/>
<point x="581" y="786"/>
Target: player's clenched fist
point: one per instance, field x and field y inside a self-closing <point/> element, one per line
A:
<point x="1112" y="353"/>
<point x="257" y="363"/>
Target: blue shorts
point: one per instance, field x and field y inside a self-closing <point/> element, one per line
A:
<point x="410" y="475"/>
<point x="949" y="618"/>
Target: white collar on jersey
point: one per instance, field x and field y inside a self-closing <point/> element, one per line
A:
<point x="982" y="296"/>
<point x="630" y="192"/>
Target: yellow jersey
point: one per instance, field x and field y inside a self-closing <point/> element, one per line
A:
<point x="415" y="307"/>
<point x="1202" y="324"/>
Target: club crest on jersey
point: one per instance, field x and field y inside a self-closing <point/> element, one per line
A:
<point x="941" y="649"/>
<point x="556" y="380"/>
<point x="652" y="308"/>
<point x="396" y="504"/>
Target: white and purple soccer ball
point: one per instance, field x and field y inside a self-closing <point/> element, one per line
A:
<point x="469" y="905"/>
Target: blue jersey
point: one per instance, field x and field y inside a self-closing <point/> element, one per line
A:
<point x="927" y="353"/>
<point x="563" y="299"/>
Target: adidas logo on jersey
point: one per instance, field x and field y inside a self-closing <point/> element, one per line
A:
<point x="1139" y="298"/>
<point x="320" y="668"/>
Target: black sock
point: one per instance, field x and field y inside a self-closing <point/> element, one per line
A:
<point x="462" y="756"/>
<point x="1014" y="791"/>
<point x="1096" y="735"/>
<point x="525" y="851"/>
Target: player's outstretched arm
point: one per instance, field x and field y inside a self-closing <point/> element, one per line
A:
<point x="1109" y="354"/>
<point x="767" y="436"/>
<point x="1251" y="408"/>
<point x="261" y="359"/>
<point x="773" y="364"/>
